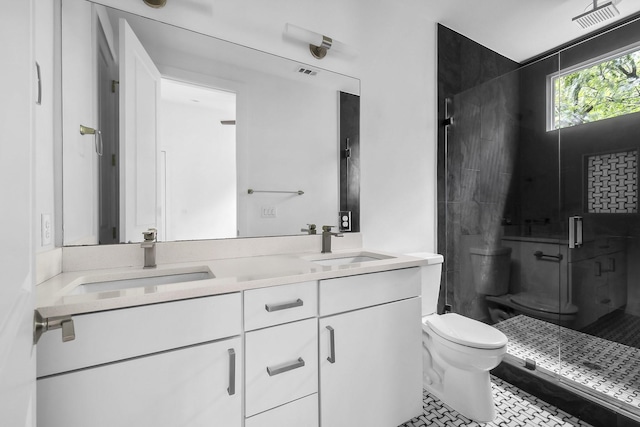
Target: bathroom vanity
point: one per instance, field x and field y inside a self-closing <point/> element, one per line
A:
<point x="279" y="340"/>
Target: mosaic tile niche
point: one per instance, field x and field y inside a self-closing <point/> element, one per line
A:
<point x="612" y="182"/>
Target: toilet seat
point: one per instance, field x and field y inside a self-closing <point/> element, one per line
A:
<point x="467" y="332"/>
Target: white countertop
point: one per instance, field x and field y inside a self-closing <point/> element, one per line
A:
<point x="231" y="275"/>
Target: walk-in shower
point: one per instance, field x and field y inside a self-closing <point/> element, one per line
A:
<point x="525" y="171"/>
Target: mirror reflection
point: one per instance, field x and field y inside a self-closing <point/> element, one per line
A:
<point x="183" y="126"/>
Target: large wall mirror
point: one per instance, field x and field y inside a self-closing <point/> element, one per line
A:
<point x="169" y="129"/>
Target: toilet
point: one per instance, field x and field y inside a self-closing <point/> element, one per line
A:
<point x="536" y="288"/>
<point x="458" y="352"/>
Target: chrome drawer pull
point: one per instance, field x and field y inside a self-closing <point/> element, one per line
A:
<point x="283" y="306"/>
<point x="332" y="340"/>
<point x="275" y="370"/>
<point x="232" y="372"/>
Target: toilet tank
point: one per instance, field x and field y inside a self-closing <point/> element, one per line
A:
<point x="431" y="274"/>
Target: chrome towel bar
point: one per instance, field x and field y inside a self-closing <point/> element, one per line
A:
<point x="251" y="191"/>
<point x="542" y="256"/>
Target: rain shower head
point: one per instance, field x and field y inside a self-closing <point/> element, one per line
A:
<point x="597" y="15"/>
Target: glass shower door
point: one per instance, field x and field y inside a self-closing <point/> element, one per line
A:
<point x="598" y="153"/>
<point x="519" y="162"/>
<point x="506" y="252"/>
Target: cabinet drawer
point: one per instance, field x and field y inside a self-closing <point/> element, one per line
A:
<point x="302" y="412"/>
<point x="274" y="369"/>
<point x="353" y="292"/>
<point x="109" y="336"/>
<point x="279" y="304"/>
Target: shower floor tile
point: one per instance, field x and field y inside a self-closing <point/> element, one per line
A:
<point x="599" y="364"/>
<point x="617" y="326"/>
<point x="514" y="408"/>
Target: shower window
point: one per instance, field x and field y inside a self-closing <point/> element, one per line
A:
<point x="602" y="88"/>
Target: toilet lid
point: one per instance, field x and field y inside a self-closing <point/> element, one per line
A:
<point x="468" y="332"/>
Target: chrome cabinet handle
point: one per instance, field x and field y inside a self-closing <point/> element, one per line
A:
<point x="232" y="372"/>
<point x="332" y="345"/>
<point x="285" y="367"/>
<point x="598" y="269"/>
<point x="277" y="307"/>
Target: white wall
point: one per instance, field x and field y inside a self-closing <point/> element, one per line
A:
<point x="398" y="124"/>
<point x="304" y="157"/>
<point x="200" y="171"/>
<point x="17" y="215"/>
<point x="44" y="131"/>
<point x="397" y="67"/>
<point x="80" y="172"/>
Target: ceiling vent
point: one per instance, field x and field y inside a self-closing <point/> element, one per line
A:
<point x="307" y="71"/>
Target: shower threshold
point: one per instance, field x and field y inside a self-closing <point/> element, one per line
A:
<point x="595" y="369"/>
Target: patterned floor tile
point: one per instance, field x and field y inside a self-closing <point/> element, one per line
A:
<point x="602" y="365"/>
<point x="514" y="408"/>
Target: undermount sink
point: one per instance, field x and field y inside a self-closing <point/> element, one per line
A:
<point x="127" y="281"/>
<point x="348" y="259"/>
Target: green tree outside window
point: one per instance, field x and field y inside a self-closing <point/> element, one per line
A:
<point x="608" y="89"/>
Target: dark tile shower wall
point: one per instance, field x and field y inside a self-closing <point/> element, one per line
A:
<point x="501" y="119"/>
<point x="474" y="176"/>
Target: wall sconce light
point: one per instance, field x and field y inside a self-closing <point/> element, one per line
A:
<point x="319" y="44"/>
<point x="155" y="3"/>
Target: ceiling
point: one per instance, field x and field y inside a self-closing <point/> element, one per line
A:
<point x="522" y="29"/>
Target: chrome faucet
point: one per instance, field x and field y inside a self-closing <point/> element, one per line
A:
<point x="310" y="230"/>
<point x="149" y="246"/>
<point x="326" y="238"/>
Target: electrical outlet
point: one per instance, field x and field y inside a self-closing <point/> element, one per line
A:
<point x="46" y="230"/>
<point x="344" y="221"/>
<point x="268" y="212"/>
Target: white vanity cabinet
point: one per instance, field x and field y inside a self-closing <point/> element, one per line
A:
<point x="281" y="356"/>
<point x="169" y="364"/>
<point x="370" y="349"/>
<point x="334" y="352"/>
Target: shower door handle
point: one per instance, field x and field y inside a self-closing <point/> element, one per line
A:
<point x="575" y="232"/>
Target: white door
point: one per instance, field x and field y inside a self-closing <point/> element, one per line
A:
<point x="197" y="386"/>
<point x="139" y="98"/>
<point x="374" y="377"/>
<point x="17" y="359"/>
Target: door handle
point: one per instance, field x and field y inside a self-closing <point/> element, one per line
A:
<point x="39" y="79"/>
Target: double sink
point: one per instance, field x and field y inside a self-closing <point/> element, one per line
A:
<point x="144" y="278"/>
